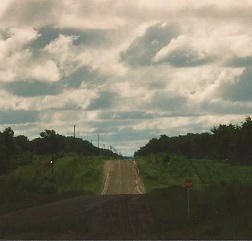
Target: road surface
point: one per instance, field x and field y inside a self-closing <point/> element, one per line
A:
<point x="121" y="212"/>
<point x="122" y="177"/>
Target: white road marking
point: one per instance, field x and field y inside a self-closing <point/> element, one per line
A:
<point x="106" y="181"/>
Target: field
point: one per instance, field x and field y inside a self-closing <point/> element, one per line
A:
<point x="37" y="183"/>
<point x="220" y="200"/>
<point x="157" y="174"/>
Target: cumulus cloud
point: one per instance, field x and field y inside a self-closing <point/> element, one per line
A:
<point x="183" y="52"/>
<point x="63" y="52"/>
<point x="127" y="70"/>
<point x="14" y="53"/>
<point x="143" y="48"/>
<point x="103" y="101"/>
<point x="51" y="74"/>
<point x="240" y="89"/>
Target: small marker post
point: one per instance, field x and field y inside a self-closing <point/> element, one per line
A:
<point x="188" y="185"/>
<point x="51" y="165"/>
<point x="188" y="202"/>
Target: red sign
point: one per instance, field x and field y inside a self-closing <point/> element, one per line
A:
<point x="188" y="184"/>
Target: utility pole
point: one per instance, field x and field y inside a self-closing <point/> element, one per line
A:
<point x="98" y="140"/>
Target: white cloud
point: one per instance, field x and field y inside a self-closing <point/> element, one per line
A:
<point x="15" y="39"/>
<point x="14" y="53"/>
<point x="101" y="64"/>
<point x="46" y="70"/>
<point x="64" y="53"/>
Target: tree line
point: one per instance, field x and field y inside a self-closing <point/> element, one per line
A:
<point x="231" y="143"/>
<point x="19" y="150"/>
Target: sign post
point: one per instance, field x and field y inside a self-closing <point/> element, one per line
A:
<point x="188" y="185"/>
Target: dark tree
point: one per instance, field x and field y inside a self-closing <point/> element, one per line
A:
<point x="7" y="149"/>
<point x="226" y="142"/>
<point x="155" y="146"/>
<point x="245" y="139"/>
<point x="50" y="142"/>
<point x="22" y="143"/>
<point x="8" y="136"/>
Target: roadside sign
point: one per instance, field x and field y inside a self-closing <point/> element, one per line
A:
<point x="188" y="183"/>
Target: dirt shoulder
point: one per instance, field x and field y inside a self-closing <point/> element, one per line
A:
<point x="87" y="217"/>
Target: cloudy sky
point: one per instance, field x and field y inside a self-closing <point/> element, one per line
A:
<point x="126" y="70"/>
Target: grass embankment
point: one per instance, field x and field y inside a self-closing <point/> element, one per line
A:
<point x="220" y="200"/>
<point x="36" y="183"/>
<point x="156" y="174"/>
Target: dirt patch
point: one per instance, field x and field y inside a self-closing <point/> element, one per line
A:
<point x="104" y="217"/>
<point x="93" y="217"/>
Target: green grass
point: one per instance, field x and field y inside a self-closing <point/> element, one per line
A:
<point x="35" y="184"/>
<point x="217" y="212"/>
<point x="77" y="173"/>
<point x="157" y="175"/>
<point x="214" y="172"/>
<point x="203" y="172"/>
<point x="220" y="200"/>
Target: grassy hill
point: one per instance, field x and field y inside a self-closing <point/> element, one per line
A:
<point x="220" y="200"/>
<point x="37" y="183"/>
<point x="157" y="174"/>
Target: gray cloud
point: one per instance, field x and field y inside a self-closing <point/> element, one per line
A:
<point x="32" y="88"/>
<point x="129" y="134"/>
<point x="240" y="91"/>
<point x="185" y="58"/>
<point x="235" y="12"/>
<point x="224" y="108"/>
<point x="89" y="37"/>
<point x="68" y="106"/>
<point x="168" y="102"/>
<point x="27" y="12"/>
<point x="239" y="61"/>
<point x="111" y="126"/>
<point x="144" y="48"/>
<point x="18" y="117"/>
<point x="82" y="75"/>
<point x="105" y="100"/>
<point x="126" y="115"/>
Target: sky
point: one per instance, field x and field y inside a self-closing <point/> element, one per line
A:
<point x="127" y="71"/>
